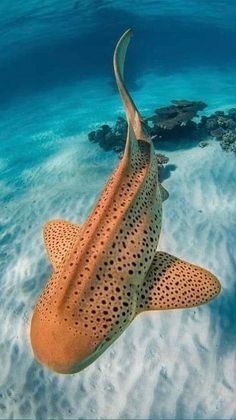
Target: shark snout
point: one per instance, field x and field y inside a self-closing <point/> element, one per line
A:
<point x="57" y="347"/>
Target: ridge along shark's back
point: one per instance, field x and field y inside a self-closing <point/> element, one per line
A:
<point x="92" y="295"/>
<point x="107" y="271"/>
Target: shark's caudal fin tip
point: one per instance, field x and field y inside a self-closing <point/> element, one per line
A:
<point x="137" y="129"/>
<point x="129" y="32"/>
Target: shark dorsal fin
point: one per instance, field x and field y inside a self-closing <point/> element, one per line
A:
<point x="59" y="237"/>
<point x="172" y="283"/>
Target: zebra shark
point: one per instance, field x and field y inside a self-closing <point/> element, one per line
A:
<point x="108" y="270"/>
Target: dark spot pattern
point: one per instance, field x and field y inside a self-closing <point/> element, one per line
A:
<point x="102" y="272"/>
<point x="173" y="283"/>
<point x="59" y="237"/>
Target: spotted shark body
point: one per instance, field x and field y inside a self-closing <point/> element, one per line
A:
<point x="108" y="270"/>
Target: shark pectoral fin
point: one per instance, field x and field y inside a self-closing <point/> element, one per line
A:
<point x="59" y="237"/>
<point x="164" y="193"/>
<point x="173" y="283"/>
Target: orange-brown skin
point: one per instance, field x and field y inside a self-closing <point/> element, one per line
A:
<point x="107" y="271"/>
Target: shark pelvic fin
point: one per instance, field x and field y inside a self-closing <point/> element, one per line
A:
<point x="172" y="283"/>
<point x="164" y="193"/>
<point x="59" y="237"/>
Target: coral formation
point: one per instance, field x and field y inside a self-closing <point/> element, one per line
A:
<point x="171" y="122"/>
<point x="222" y="127"/>
<point x="174" y="123"/>
<point x="111" y="138"/>
<point x="179" y="114"/>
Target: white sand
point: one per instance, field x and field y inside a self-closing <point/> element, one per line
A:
<point x="175" y="364"/>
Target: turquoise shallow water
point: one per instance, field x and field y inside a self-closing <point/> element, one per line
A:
<point x="57" y="85"/>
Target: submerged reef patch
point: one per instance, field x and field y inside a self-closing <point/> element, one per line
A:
<point x="111" y="138"/>
<point x="222" y="127"/>
<point x="176" y="122"/>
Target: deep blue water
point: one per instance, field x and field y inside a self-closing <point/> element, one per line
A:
<point x="59" y="43"/>
<point x="56" y="84"/>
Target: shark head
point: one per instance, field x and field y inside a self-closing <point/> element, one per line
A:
<point x="108" y="270"/>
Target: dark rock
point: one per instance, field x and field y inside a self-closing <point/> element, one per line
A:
<point x="99" y="135"/>
<point x="106" y="129"/>
<point x="110" y="138"/>
<point x="92" y="136"/>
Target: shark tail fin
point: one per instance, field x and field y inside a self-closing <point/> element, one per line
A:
<point x="135" y="121"/>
